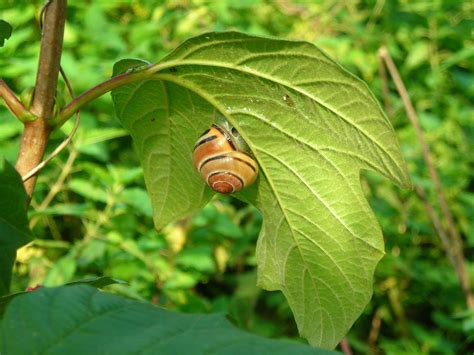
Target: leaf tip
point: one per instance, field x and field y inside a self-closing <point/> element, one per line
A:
<point x="404" y="180"/>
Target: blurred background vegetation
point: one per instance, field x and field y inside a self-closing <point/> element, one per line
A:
<point x="92" y="216"/>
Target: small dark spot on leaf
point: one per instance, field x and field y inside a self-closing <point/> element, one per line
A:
<point x="288" y="100"/>
<point x="153" y="119"/>
<point x="173" y="70"/>
<point x="234" y="131"/>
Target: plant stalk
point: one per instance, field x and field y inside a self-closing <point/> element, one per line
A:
<point x="36" y="133"/>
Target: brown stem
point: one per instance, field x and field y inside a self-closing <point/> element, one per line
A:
<point x="375" y="331"/>
<point x="54" y="153"/>
<point x="385" y="89"/>
<point x="345" y="346"/>
<point x="454" y="249"/>
<point x="36" y="133"/>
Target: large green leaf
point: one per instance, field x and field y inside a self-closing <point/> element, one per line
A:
<point x="14" y="231"/>
<point x="312" y="127"/>
<point x="83" y="320"/>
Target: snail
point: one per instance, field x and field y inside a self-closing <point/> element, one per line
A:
<point x="223" y="159"/>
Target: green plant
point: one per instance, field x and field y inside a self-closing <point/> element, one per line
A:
<point x="117" y="183"/>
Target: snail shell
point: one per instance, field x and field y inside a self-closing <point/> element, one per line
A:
<point x="222" y="159"/>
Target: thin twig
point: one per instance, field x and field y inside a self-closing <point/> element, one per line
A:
<point x="402" y="91"/>
<point x="55" y="152"/>
<point x="377" y="10"/>
<point x="375" y="331"/>
<point x="454" y="242"/>
<point x="57" y="186"/>
<point x="436" y="222"/>
<point x="385" y="88"/>
<point x="345" y="347"/>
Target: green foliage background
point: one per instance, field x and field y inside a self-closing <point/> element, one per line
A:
<point x="92" y="215"/>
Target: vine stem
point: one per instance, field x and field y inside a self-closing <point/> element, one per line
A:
<point x="453" y="244"/>
<point x="36" y="133"/>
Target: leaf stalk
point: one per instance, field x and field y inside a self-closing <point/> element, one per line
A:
<point x="15" y="106"/>
<point x="96" y="92"/>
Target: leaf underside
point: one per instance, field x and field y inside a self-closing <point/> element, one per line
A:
<point x="67" y="320"/>
<point x="312" y="127"/>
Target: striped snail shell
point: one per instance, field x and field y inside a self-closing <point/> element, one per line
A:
<point x="222" y="158"/>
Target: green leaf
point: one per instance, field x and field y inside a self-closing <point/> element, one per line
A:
<point x="312" y="127"/>
<point x="97" y="282"/>
<point x="80" y="318"/>
<point x="5" y="32"/>
<point x="61" y="272"/>
<point x="14" y="230"/>
<point x="88" y="190"/>
<point x="61" y="209"/>
<point x="138" y="199"/>
<point x="198" y="258"/>
<point x="166" y="143"/>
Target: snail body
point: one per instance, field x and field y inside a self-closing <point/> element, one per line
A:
<point x="222" y="158"/>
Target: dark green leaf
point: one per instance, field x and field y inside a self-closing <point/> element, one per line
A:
<point x="97" y="282"/>
<point x="5" y="32"/>
<point x="76" y="319"/>
<point x="14" y="230"/>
